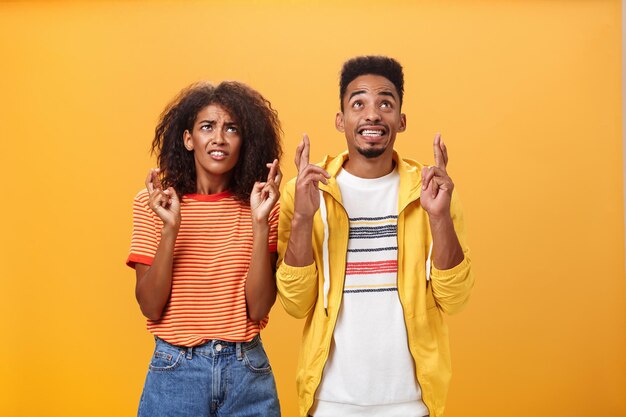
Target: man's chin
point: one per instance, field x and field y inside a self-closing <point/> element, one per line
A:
<point x="371" y="153"/>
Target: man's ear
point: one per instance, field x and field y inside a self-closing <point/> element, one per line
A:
<point x="187" y="140"/>
<point x="339" y="122"/>
<point x="402" y="127"/>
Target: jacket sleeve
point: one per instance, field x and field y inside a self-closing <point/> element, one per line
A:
<point x="452" y="287"/>
<point x="297" y="286"/>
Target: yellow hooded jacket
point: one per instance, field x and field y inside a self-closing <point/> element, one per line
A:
<point x="315" y="291"/>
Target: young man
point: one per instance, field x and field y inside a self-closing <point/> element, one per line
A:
<point x="371" y="251"/>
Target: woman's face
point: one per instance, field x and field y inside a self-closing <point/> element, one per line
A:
<point x="215" y="141"/>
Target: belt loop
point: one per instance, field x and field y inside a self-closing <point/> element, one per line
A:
<point x="189" y="352"/>
<point x="238" y="351"/>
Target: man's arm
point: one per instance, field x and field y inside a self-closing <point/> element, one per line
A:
<point x="452" y="279"/>
<point x="297" y="273"/>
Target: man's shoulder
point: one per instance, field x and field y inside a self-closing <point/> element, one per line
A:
<point x="409" y="164"/>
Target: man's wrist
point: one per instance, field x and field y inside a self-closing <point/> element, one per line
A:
<point x="301" y="221"/>
<point x="438" y="222"/>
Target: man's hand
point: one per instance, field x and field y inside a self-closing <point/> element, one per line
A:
<point x="435" y="199"/>
<point x="436" y="184"/>
<point x="306" y="202"/>
<point x="307" y="197"/>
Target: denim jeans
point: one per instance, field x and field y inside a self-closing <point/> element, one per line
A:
<point x="215" y="379"/>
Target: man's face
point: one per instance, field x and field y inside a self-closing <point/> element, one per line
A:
<point x="371" y="116"/>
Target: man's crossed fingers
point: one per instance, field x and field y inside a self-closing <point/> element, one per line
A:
<point x="437" y="174"/>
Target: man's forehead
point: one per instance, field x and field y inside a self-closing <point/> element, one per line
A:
<point x="370" y="83"/>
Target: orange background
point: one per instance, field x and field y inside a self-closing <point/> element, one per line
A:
<point x="526" y="94"/>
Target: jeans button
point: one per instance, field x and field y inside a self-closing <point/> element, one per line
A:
<point x="218" y="347"/>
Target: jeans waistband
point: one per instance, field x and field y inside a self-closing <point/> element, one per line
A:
<point x="215" y="347"/>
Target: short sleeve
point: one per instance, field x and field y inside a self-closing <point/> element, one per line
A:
<point x="273" y="223"/>
<point x="145" y="239"/>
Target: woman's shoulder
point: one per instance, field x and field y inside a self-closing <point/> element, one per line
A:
<point x="142" y="195"/>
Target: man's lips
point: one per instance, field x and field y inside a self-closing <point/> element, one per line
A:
<point x="373" y="132"/>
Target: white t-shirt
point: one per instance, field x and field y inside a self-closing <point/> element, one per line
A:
<point x="370" y="371"/>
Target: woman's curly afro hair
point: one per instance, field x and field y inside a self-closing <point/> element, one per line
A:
<point x="259" y="128"/>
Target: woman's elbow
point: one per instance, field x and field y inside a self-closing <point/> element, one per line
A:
<point x="259" y="310"/>
<point x="152" y="315"/>
<point x="258" y="314"/>
<point x="151" y="312"/>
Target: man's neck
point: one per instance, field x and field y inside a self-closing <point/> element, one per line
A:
<point x="362" y="167"/>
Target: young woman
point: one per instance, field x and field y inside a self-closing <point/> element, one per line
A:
<point x="204" y="250"/>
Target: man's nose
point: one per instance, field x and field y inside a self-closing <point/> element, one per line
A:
<point x="372" y="115"/>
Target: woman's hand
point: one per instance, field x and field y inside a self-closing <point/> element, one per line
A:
<point x="164" y="203"/>
<point x="265" y="194"/>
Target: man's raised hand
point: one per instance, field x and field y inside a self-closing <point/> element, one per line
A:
<point x="437" y="186"/>
<point x="307" y="197"/>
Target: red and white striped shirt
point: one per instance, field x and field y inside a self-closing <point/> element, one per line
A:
<point x="211" y="258"/>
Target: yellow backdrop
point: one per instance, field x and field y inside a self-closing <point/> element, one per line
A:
<point x="526" y="94"/>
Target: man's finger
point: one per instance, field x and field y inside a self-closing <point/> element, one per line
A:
<point x="296" y="159"/>
<point x="304" y="157"/>
<point x="434" y="188"/>
<point x="444" y="150"/>
<point x="427" y="174"/>
<point x="439" y="159"/>
<point x="314" y="168"/>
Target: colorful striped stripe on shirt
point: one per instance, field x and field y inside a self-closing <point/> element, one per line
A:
<point x="211" y="259"/>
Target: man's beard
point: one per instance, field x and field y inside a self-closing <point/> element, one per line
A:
<point x="371" y="152"/>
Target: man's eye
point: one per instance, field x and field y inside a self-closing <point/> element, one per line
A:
<point x="385" y="104"/>
<point x="205" y="127"/>
<point x="357" y="104"/>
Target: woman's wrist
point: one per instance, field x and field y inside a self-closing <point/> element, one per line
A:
<point x="169" y="231"/>
<point x="260" y="225"/>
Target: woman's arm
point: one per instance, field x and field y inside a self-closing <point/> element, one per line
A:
<point x="154" y="282"/>
<point x="260" y="283"/>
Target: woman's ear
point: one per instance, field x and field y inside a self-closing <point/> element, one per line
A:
<point x="187" y="140"/>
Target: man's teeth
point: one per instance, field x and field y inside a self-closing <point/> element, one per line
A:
<point x="369" y="132"/>
<point x="217" y="153"/>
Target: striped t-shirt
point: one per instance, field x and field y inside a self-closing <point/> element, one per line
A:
<point x="211" y="258"/>
<point x="370" y="371"/>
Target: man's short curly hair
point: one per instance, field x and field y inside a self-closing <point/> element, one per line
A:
<point x="259" y="128"/>
<point x="371" y="65"/>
